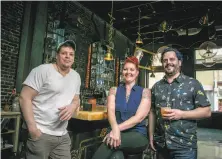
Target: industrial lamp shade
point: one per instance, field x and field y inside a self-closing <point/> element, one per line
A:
<point x="139" y="41"/>
<point x="207" y="19"/>
<point x="109" y="55"/>
<point x="152" y="75"/>
<point x="165" y="26"/>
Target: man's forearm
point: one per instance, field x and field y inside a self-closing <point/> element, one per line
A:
<point x="27" y="111"/>
<point x="151" y="123"/>
<point x="197" y="113"/>
<point x="75" y="103"/>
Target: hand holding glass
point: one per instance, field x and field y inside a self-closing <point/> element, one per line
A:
<point x="164" y="111"/>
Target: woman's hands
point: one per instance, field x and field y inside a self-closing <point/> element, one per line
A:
<point x="113" y="138"/>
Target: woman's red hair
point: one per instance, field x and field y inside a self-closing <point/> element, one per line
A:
<point x="132" y="59"/>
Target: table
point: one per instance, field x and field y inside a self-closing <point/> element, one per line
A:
<point x="15" y="132"/>
<point x="100" y="113"/>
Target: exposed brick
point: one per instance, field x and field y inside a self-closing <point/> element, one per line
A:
<point x="11" y="19"/>
<point x="11" y="25"/>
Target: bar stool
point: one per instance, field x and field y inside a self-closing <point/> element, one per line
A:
<point x="134" y="153"/>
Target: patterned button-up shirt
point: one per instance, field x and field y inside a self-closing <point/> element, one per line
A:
<point x="184" y="93"/>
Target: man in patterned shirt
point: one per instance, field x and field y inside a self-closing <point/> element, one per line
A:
<point x="175" y="130"/>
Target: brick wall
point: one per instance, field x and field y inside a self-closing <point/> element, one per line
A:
<point x="84" y="34"/>
<point x="11" y="25"/>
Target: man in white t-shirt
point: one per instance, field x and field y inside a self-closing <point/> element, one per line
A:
<point x="49" y="97"/>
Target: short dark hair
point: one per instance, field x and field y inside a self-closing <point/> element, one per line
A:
<point x="178" y="54"/>
<point x="67" y="43"/>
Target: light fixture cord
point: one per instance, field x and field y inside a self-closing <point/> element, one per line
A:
<point x="139" y="25"/>
<point x="153" y="56"/>
<point x="111" y="25"/>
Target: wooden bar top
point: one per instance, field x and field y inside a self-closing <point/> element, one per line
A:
<point x="100" y="113"/>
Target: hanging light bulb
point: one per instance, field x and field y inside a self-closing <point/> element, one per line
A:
<point x="139" y="40"/>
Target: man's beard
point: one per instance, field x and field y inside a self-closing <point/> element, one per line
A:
<point x="173" y="72"/>
<point x="170" y="74"/>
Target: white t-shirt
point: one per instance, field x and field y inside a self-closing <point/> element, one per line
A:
<point x="54" y="91"/>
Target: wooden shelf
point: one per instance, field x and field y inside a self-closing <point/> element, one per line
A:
<point x="7" y="146"/>
<point x="8" y="132"/>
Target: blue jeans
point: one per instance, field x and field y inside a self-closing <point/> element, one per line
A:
<point x="177" y="154"/>
<point x="183" y="154"/>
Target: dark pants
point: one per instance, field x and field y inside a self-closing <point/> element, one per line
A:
<point x="134" y="141"/>
<point x="177" y="154"/>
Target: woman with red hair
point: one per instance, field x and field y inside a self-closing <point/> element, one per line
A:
<point x="128" y="105"/>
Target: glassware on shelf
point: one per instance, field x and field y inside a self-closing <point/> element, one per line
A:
<point x="102" y="72"/>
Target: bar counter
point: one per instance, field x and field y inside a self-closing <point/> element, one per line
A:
<point x="87" y="129"/>
<point x="100" y="113"/>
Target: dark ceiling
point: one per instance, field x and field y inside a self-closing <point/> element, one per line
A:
<point x="183" y="16"/>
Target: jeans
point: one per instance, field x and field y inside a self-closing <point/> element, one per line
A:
<point x="177" y="154"/>
<point x="184" y="154"/>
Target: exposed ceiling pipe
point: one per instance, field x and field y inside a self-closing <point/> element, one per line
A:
<point x="177" y="20"/>
<point x="152" y="38"/>
<point x="152" y="8"/>
<point x="186" y="23"/>
<point x="172" y="10"/>
<point x="180" y="32"/>
<point x="143" y="26"/>
<point x="135" y="6"/>
<point x="145" y="33"/>
<point x="173" y="4"/>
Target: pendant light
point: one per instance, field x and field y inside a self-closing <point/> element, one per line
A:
<point x="109" y="55"/>
<point x="139" y="40"/>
